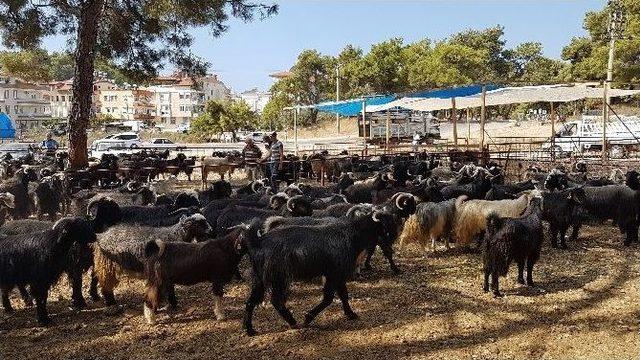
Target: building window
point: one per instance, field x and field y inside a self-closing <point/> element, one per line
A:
<point x="6" y="94"/>
<point x="106" y="98"/>
<point x="15" y="109"/>
<point x="7" y="108"/>
<point x="172" y="121"/>
<point x="15" y="94"/>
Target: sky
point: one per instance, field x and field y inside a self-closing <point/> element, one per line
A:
<point x="244" y="56"/>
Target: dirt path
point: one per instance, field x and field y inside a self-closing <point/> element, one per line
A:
<point x="586" y="306"/>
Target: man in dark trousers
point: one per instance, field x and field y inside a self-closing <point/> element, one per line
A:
<point x="251" y="154"/>
<point x="276" y="160"/>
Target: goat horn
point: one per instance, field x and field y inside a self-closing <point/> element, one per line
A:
<point x="253" y="186"/>
<point x="289" y="207"/>
<point x="174" y="212"/>
<point x="375" y="217"/>
<point x="398" y="200"/>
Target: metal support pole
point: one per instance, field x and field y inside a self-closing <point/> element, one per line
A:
<point x="552" y="117"/>
<point x="454" y="119"/>
<point x="483" y="115"/>
<point x="338" y="95"/>
<point x="615" y="20"/>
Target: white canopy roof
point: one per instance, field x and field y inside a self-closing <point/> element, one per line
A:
<point x="505" y="96"/>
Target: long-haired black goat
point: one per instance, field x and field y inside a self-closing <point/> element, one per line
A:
<point x="171" y="263"/>
<point x="306" y="252"/>
<point x="512" y="239"/>
<point x="38" y="259"/>
<point x="121" y="249"/>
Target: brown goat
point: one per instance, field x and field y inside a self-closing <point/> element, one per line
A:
<point x="168" y="264"/>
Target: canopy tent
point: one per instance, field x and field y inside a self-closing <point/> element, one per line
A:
<point x="7" y="131"/>
<point x="505" y="96"/>
<point x="351" y="107"/>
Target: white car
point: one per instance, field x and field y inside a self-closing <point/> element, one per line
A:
<point x="257" y="136"/>
<point x="131" y="139"/>
<point x="162" y="144"/>
<point x="111" y="146"/>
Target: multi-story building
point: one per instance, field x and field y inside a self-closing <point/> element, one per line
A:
<point x="213" y="88"/>
<point x="256" y="99"/>
<point x="127" y="104"/>
<point x="175" y="105"/>
<point x="27" y="104"/>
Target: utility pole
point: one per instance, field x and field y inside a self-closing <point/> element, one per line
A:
<point x="338" y="95"/>
<point x="616" y="20"/>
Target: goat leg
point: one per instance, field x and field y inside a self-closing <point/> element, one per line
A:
<point x="343" y="294"/>
<point x="171" y="296"/>
<point x="521" y="272"/>
<point x="41" y="305"/>
<point x="255" y="298"/>
<point x="554" y="235"/>
<point x="328" y="293"/>
<point x="6" y="303"/>
<point x="494" y="284"/>
<point x="563" y="238"/>
<point x="93" y="288"/>
<point x="218" y="293"/>
<point x="278" y="300"/>
<point x="26" y="297"/>
<point x="75" y="278"/>
<point x="530" y="263"/>
<point x="485" y="286"/>
<point x="387" y="251"/>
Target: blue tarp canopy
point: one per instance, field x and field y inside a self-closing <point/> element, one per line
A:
<point x="7" y="131"/>
<point x="352" y="107"/>
<point x="449" y="93"/>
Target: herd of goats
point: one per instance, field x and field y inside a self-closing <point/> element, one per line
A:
<point x="116" y="219"/>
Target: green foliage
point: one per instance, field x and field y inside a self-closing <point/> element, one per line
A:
<point x="589" y="55"/>
<point x="31" y="65"/>
<point x="224" y="116"/>
<point x="99" y="120"/>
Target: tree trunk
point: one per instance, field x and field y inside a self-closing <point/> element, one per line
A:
<point x="88" y="24"/>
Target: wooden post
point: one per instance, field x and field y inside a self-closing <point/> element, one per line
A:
<point x="468" y="127"/>
<point x="552" y="116"/>
<point x="387" y="128"/>
<point x="295" y="129"/>
<point x="454" y="119"/>
<point x="364" y="112"/>
<point x="483" y="115"/>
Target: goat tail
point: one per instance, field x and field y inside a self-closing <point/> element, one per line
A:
<point x="460" y="200"/>
<point x="154" y="248"/>
<point x="411" y="232"/>
<point x="494" y="222"/>
<point x="106" y="271"/>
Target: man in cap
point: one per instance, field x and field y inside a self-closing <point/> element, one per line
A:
<point x="49" y="144"/>
<point x="251" y="154"/>
<point x="276" y="160"/>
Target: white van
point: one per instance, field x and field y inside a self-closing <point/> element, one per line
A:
<point x="111" y="146"/>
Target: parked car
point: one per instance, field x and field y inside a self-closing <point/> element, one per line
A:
<point x="17" y="149"/>
<point x="162" y="144"/>
<point x="257" y="136"/>
<point x="130" y="139"/>
<point x="111" y="146"/>
<point x="183" y="128"/>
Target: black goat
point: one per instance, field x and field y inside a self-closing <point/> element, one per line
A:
<point x="559" y="210"/>
<point x="306" y="252"/>
<point x="38" y="259"/>
<point x="512" y="239"/>
<point x="18" y="186"/>
<point x="510" y="191"/>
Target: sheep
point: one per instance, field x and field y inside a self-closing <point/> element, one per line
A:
<point x="171" y="263"/>
<point x="305" y="252"/>
<point x="471" y="216"/>
<point x="121" y="249"/>
<point x="432" y="221"/>
<point x="164" y="215"/>
<point x="235" y="215"/>
<point x="47" y="196"/>
<point x="512" y="239"/>
<point x="38" y="259"/>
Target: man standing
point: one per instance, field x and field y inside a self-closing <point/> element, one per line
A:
<point x="251" y="154"/>
<point x="277" y="160"/>
<point x="49" y="145"/>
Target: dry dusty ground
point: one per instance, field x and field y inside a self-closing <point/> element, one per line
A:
<point x="585" y="307"/>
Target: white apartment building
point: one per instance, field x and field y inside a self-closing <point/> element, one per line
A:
<point x="127" y="104"/>
<point x="28" y="105"/>
<point x="176" y="105"/>
<point x="61" y="96"/>
<point x="256" y="99"/>
<point x="213" y="88"/>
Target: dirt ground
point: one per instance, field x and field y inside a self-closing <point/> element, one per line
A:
<point x="585" y="306"/>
